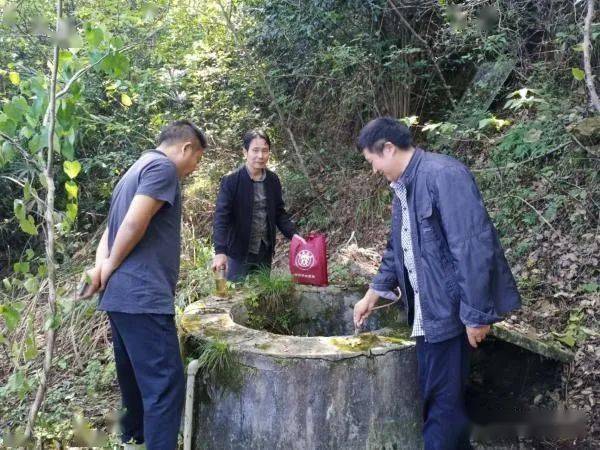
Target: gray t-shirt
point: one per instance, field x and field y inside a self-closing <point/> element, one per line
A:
<point x="145" y="281"/>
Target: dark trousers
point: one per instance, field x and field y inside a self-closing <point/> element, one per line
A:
<point x="238" y="269"/>
<point x="443" y="373"/>
<point x="150" y="374"/>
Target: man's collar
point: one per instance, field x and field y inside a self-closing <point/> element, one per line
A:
<point x="410" y="170"/>
<point x="263" y="176"/>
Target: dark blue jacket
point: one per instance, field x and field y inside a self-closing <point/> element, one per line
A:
<point x="462" y="273"/>
<point x="233" y="213"/>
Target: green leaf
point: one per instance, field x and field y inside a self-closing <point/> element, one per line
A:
<point x="72" y="168"/>
<point x="27" y="191"/>
<point x="19" y="209"/>
<point x="71" y="135"/>
<point x="28" y="226"/>
<point x="6" y="283"/>
<point x="590" y="287"/>
<point x="16" y="108"/>
<point x="14" y="78"/>
<point x="7" y="125"/>
<point x="72" y="211"/>
<point x="42" y="270"/>
<point x="32" y="285"/>
<point x="29" y="254"/>
<point x="431" y="126"/>
<point x="484" y="123"/>
<point x="67" y="150"/>
<point x="11" y="316"/>
<point x="94" y="36"/>
<point x="567" y="339"/>
<point x="116" y="65"/>
<point x="578" y="74"/>
<point x="31" y="350"/>
<point x="409" y="121"/>
<point x="52" y="322"/>
<point x="126" y="100"/>
<point x="7" y="153"/>
<point x="21" y="267"/>
<point x="72" y="189"/>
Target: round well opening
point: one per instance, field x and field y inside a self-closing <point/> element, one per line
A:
<point x="312" y="312"/>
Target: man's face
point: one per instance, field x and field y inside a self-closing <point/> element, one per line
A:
<point x="191" y="154"/>
<point x="257" y="155"/>
<point x="383" y="163"/>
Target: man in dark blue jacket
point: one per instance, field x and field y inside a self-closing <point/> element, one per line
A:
<point x="445" y="257"/>
<point x="249" y="208"/>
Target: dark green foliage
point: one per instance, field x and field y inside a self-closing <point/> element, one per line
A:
<point x="271" y="302"/>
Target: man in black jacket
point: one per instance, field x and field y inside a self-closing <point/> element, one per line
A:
<point x="249" y="207"/>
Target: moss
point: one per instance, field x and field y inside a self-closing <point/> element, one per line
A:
<point x="360" y="343"/>
<point x="396" y="340"/>
<point x="399" y="334"/>
<point x="264" y="346"/>
<point x="285" y="362"/>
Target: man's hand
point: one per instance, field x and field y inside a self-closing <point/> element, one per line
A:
<point x="106" y="270"/>
<point x="364" y="307"/>
<point x="220" y="260"/>
<point x="90" y="280"/>
<point x="478" y="334"/>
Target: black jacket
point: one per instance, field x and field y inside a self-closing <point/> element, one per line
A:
<point x="233" y="213"/>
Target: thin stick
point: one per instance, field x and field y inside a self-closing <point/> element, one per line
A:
<point x="50" y="264"/>
<point x="540" y="215"/>
<point x="513" y="165"/>
<point x="587" y="66"/>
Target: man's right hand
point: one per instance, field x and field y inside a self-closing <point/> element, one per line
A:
<point x="220" y="260"/>
<point x="364" y="307"/>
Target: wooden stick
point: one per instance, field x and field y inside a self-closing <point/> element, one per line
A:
<point x="587" y="66"/>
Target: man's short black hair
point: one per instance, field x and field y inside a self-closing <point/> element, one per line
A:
<point x="182" y="130"/>
<point x="253" y="134"/>
<point x="378" y="131"/>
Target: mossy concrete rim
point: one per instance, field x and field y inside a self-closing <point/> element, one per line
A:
<point x="212" y="318"/>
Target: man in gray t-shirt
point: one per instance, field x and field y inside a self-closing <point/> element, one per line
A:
<point x="148" y="275"/>
<point x="137" y="265"/>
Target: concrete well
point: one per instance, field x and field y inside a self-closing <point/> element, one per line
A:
<point x="321" y="388"/>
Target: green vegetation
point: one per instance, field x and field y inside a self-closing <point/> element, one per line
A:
<point x="218" y="366"/>
<point x="270" y="302"/>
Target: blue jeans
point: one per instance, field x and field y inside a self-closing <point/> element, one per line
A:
<point x="151" y="379"/>
<point x="443" y="373"/>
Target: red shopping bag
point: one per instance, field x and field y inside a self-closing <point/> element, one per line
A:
<point x="308" y="259"/>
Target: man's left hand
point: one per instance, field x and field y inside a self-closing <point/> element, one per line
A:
<point x="478" y="334"/>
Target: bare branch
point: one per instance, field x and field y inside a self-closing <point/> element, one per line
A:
<point x="49" y="228"/>
<point x="587" y="45"/>
<point x="24" y="153"/>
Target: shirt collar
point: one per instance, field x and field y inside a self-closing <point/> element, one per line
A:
<point x="262" y="178"/>
<point x="409" y="173"/>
